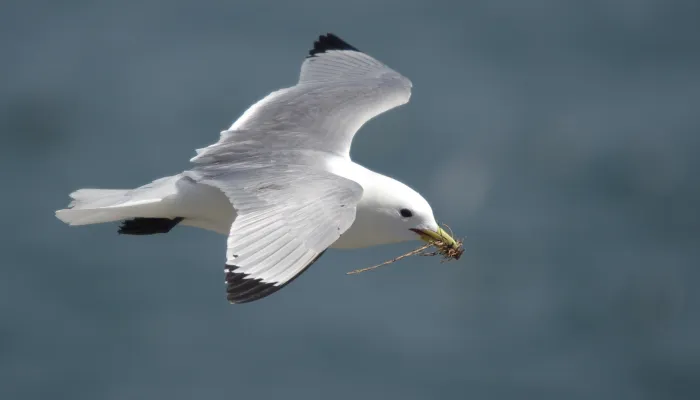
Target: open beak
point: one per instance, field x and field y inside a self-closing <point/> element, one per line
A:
<point x="431" y="236"/>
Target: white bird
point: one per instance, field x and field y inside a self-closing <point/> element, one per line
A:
<point x="280" y="182"/>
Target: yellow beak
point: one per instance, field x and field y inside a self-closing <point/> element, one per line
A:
<point x="430" y="236"/>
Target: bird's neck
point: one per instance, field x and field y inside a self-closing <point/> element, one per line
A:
<point x="367" y="178"/>
<point x="366" y="230"/>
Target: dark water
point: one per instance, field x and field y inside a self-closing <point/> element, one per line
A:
<point x="560" y="137"/>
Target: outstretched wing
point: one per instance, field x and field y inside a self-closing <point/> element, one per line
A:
<point x="339" y="89"/>
<point x="286" y="218"/>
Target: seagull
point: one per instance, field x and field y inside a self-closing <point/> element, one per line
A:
<point x="280" y="182"/>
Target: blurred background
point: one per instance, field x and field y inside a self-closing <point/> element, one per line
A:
<point x="560" y="138"/>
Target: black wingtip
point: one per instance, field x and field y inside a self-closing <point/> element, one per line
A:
<point x="242" y="289"/>
<point x="329" y="42"/>
<point x="148" y="226"/>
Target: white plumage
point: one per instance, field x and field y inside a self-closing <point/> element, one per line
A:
<point x="280" y="181"/>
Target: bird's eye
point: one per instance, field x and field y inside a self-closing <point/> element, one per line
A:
<point x="406" y="213"/>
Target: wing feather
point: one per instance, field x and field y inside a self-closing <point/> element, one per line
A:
<point x="340" y="88"/>
<point x="287" y="216"/>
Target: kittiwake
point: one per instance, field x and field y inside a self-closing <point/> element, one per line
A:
<point x="280" y="182"/>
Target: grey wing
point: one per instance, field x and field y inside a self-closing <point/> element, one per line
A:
<point x="287" y="217"/>
<point x="339" y="89"/>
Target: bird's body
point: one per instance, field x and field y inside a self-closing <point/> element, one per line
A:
<point x="280" y="182"/>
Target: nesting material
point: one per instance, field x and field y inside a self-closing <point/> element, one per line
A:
<point x="448" y="252"/>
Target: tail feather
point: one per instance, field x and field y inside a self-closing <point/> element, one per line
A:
<point x="105" y="211"/>
<point x="95" y="197"/>
<point x="94" y="206"/>
<point x="153" y="208"/>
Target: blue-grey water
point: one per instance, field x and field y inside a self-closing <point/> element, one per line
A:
<point x="560" y="138"/>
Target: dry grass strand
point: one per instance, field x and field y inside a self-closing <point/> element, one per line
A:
<point x="443" y="249"/>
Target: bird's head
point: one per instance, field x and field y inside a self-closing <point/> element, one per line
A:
<point x="392" y="212"/>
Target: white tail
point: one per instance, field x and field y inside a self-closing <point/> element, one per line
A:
<point x="94" y="206"/>
<point x="172" y="197"/>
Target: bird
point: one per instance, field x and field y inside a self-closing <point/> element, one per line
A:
<point x="279" y="182"/>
